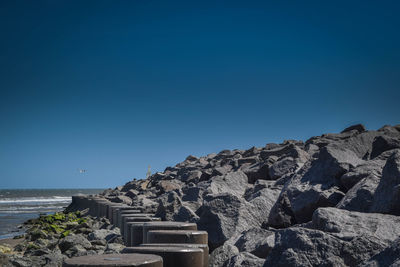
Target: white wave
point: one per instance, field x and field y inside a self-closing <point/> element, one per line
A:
<point x="30" y="209"/>
<point x="35" y="200"/>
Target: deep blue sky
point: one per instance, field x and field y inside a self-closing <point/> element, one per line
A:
<point x="115" y="86"/>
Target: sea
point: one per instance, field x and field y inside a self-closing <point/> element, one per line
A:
<point x="20" y="205"/>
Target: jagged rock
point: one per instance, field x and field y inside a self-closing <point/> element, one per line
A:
<point x="103" y="234"/>
<point x="315" y="185"/>
<point x="256" y="241"/>
<point x="389" y="257"/>
<point x="387" y="195"/>
<point x="384" y="143"/>
<point x="192" y="176"/>
<point x="166" y="186"/>
<point x="224" y="215"/>
<point x="221" y="256"/>
<point x="73" y="240"/>
<point x="346" y="224"/>
<point x="258" y="171"/>
<point x="307" y="247"/>
<point x="132" y="193"/>
<point x="357" y="127"/>
<point x="168" y="205"/>
<point x="185" y="214"/>
<point x="374" y="167"/>
<point x="248" y="160"/>
<point x="192" y="193"/>
<point x="113" y="248"/>
<point x="245" y="259"/>
<point x="233" y="183"/>
<point x="122" y="199"/>
<point x="360" y="196"/>
<point x="262" y="200"/>
<point x="76" y="251"/>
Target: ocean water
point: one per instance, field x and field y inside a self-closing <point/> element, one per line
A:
<point x="19" y="205"/>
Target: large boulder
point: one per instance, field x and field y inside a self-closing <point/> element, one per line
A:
<point x="262" y="199"/>
<point x="360" y="196"/>
<point x="384" y="143"/>
<point x="346" y="224"/>
<point x="387" y="194"/>
<point x="221" y="256"/>
<point x="245" y="259"/>
<point x="104" y="234"/>
<point x="256" y="241"/>
<point x="233" y="183"/>
<point x="315" y="185"/>
<point x="225" y="215"/>
<point x="72" y="241"/>
<point x="308" y="247"/>
<point x="389" y="257"/>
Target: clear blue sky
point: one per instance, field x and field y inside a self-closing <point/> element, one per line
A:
<point x="115" y="86"/>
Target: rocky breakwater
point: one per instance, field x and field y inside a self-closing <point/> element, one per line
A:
<point x="332" y="200"/>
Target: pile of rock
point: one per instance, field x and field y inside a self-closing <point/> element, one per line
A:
<point x="51" y="239"/>
<point x="290" y="204"/>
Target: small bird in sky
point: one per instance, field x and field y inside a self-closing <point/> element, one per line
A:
<point x="82" y="171"/>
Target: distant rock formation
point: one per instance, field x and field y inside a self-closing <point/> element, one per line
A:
<point x="333" y="200"/>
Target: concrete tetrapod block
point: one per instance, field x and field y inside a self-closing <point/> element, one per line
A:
<point x="111" y="208"/>
<point x="124" y="213"/>
<point x="172" y="256"/>
<point x="103" y="208"/>
<point x="177" y="236"/>
<point x="140" y="217"/>
<point x="92" y="205"/>
<point x="127" y="232"/>
<point x="136" y="233"/>
<point x="117" y="213"/>
<point x="99" y="206"/>
<point x="166" y="225"/>
<point x="204" y="247"/>
<point x="120" y="260"/>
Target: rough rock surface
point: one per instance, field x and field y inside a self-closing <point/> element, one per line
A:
<point x="315" y="203"/>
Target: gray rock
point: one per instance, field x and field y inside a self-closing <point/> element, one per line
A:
<point x="73" y="240"/>
<point x="225" y="215"/>
<point x="221" y="256"/>
<point x="233" y="183"/>
<point x="103" y="234"/>
<point x="262" y="201"/>
<point x="256" y="241"/>
<point x="357" y="127"/>
<point x="122" y="199"/>
<point x="346" y="224"/>
<point x="245" y="259"/>
<point x="169" y="205"/>
<point x="384" y="143"/>
<point x="113" y="248"/>
<point x="360" y="197"/>
<point x="308" y="247"/>
<point x="371" y="167"/>
<point x="76" y="251"/>
<point x="387" y="195"/>
<point x="185" y="214"/>
<point x="258" y="171"/>
<point x="389" y="257"/>
<point x="315" y="185"/>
